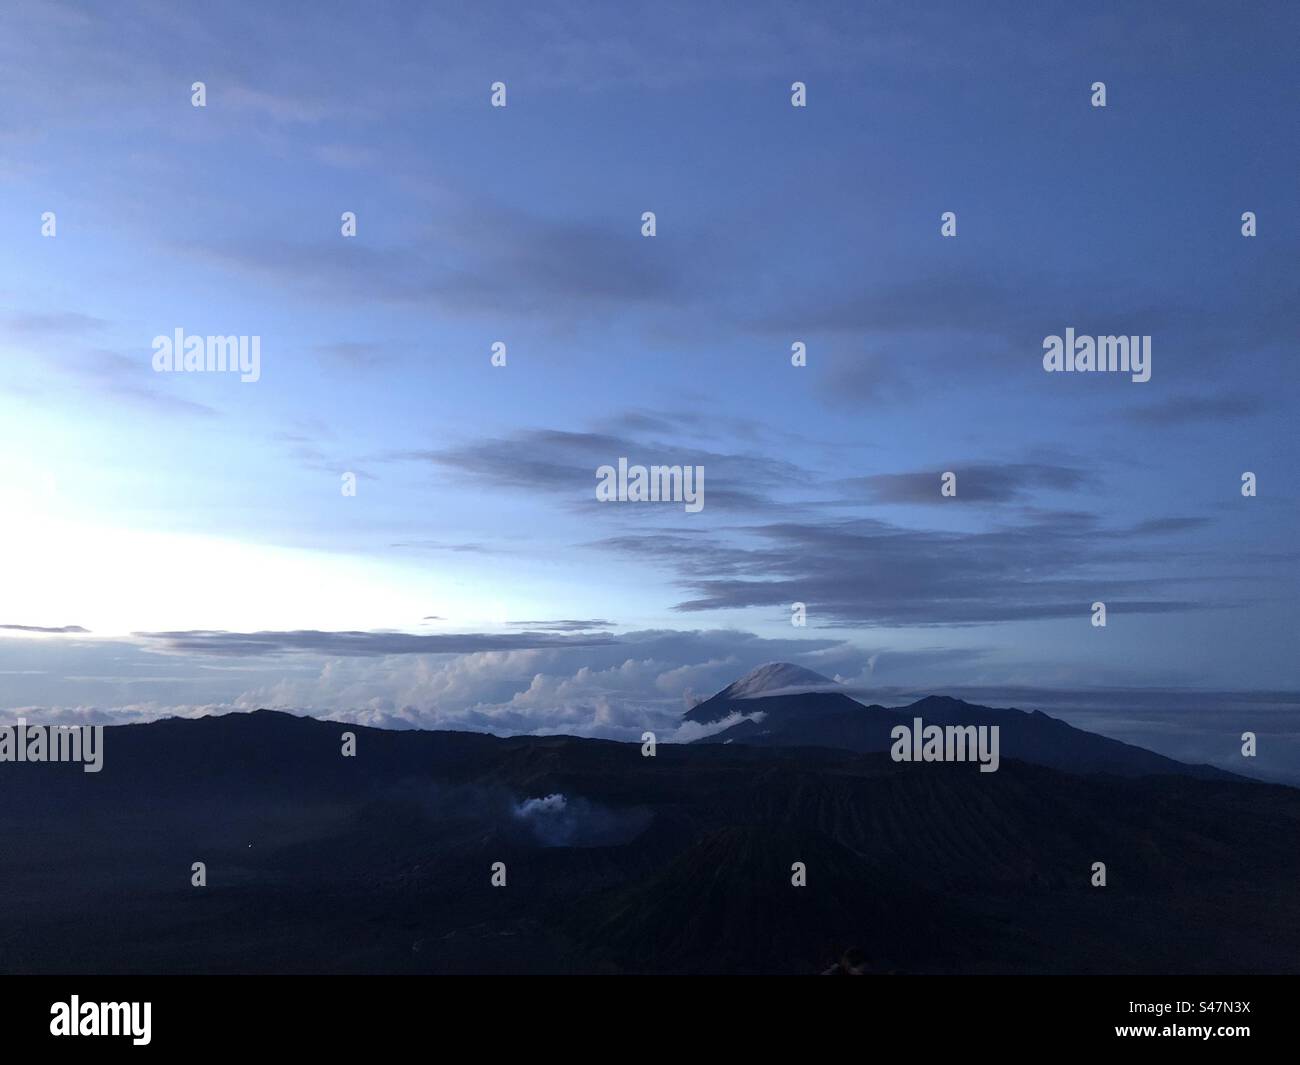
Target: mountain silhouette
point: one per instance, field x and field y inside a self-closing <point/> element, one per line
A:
<point x="776" y="688"/>
<point x="819" y="716"/>
<point x="619" y="862"/>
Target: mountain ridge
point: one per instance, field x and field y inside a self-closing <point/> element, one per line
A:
<point x="619" y="862"/>
<point x="821" y="718"/>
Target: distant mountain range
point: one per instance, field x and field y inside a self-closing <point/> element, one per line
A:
<point x="785" y="705"/>
<point x="618" y="862"/>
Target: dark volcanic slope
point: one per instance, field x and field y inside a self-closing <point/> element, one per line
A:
<point x="832" y="719"/>
<point x="680" y="862"/>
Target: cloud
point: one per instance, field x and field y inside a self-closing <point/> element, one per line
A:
<point x="475" y="253"/>
<point x="569" y="625"/>
<point x="564" y="463"/>
<point x="1182" y="410"/>
<point x="615" y="687"/>
<point x="854" y="377"/>
<point x="976" y="483"/>
<point x="895" y="330"/>
<point x="1171" y="524"/>
<point x="438" y="545"/>
<point x="132" y="714"/>
<point x="55" y="324"/>
<point x="867" y="572"/>
<point x="41" y="628"/>
<point x="361" y="644"/>
<point x="58" y="340"/>
<point x="690" y="731"/>
<point x="104" y="372"/>
<point x="973" y="303"/>
<point x="150" y="398"/>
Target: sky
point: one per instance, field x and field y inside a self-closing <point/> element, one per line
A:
<point x="181" y="543"/>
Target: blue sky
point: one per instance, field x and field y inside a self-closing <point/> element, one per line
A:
<point x="144" y="506"/>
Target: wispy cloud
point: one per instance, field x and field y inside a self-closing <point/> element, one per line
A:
<point x="42" y="628"/>
<point x="868" y="573"/>
<point x="1181" y="410"/>
<point x="565" y="625"/>
<point x="976" y="483"/>
<point x="355" y="644"/>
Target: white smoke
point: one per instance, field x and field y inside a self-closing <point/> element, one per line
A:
<point x="556" y="821"/>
